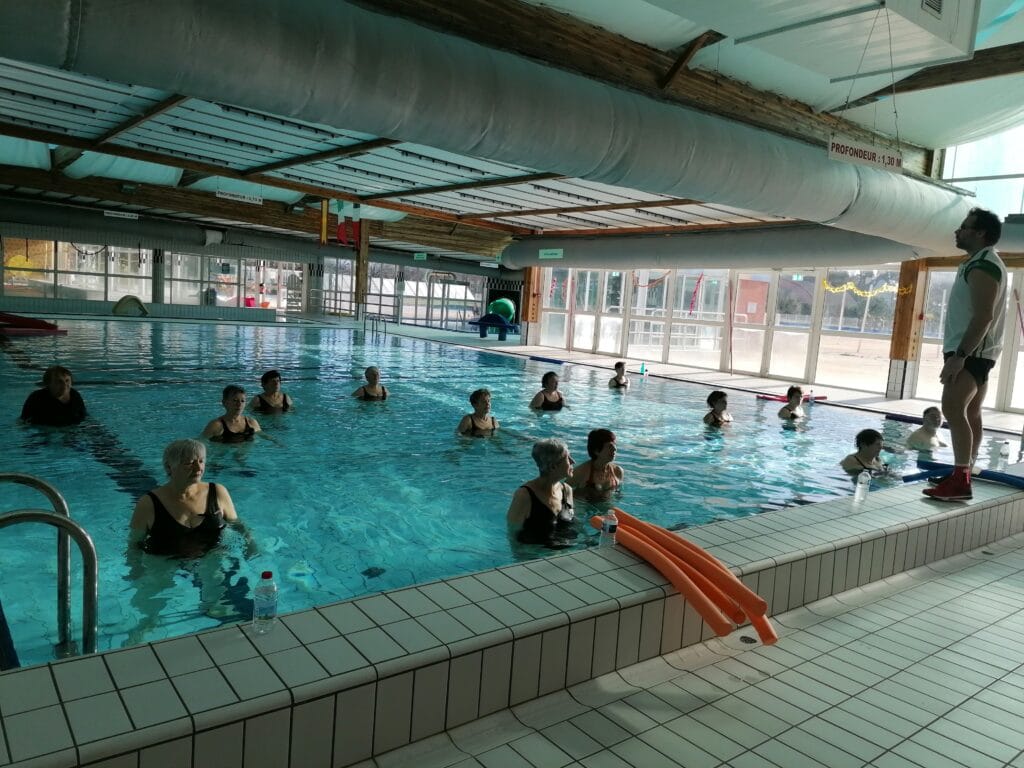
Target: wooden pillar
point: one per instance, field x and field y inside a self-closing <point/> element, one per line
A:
<point x="531" y="295"/>
<point x="907" y="328"/>
<point x="362" y="270"/>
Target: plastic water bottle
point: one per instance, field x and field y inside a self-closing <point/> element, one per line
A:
<point x="609" y="526"/>
<point x="643" y="372"/>
<point x="264" y="604"/>
<point x="863" y="483"/>
<point x="810" y="396"/>
<point x="1004" y="456"/>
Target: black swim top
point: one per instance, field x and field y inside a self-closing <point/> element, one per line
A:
<point x="543" y="525"/>
<point x="366" y="397"/>
<point x="227" y="436"/>
<point x="716" y="420"/>
<point x="620" y="384"/>
<point x="262" y="406"/>
<point x="552" y="405"/>
<point x="169" y="537"/>
<point x="43" y="408"/>
<point x="475" y="431"/>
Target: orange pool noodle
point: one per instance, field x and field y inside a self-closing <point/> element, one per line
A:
<point x="659" y="560"/>
<point x="725" y="603"/>
<point x="716" y="571"/>
<point x="764" y="629"/>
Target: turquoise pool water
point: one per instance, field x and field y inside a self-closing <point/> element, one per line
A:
<point x="346" y="498"/>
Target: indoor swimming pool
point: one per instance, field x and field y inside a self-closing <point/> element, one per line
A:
<point x="346" y="498"/>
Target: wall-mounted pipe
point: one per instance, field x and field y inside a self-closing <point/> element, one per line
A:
<point x="327" y="61"/>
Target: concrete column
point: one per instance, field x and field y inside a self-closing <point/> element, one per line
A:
<point x="158" y="276"/>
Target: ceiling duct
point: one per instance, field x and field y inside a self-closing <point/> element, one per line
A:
<point x="329" y="62"/>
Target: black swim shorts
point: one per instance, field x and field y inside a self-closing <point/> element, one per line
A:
<point x="978" y="367"/>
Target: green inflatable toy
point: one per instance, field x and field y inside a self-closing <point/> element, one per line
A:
<point x="504" y="307"/>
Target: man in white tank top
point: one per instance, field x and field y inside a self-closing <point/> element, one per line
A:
<point x="972" y="341"/>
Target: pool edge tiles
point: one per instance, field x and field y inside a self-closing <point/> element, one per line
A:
<point x="344" y="682"/>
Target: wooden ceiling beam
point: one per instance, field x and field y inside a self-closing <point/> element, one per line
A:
<point x="213" y="169"/>
<point x="563" y="41"/>
<point x="668" y="230"/>
<point x="701" y="41"/>
<point x="423" y="232"/>
<point x="507" y="181"/>
<point x="990" y="62"/>
<point x="337" y="153"/>
<point x="629" y="206"/>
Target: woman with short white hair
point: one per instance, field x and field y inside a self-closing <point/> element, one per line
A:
<point x="541" y="510"/>
<point x="184" y="517"/>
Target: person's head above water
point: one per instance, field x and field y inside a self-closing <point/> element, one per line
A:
<point x="716" y="397"/>
<point x="867" y="437"/>
<point x="183" y="452"/>
<point x="597" y="440"/>
<point x="268" y="378"/>
<point x="549" y="453"/>
<point x="620" y="368"/>
<point x="479" y="396"/>
<point x="549" y="380"/>
<point x="932" y="417"/>
<point x="794" y="392"/>
<point x="372" y="374"/>
<point x="57" y="379"/>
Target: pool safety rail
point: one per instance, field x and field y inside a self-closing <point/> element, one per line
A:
<point x="375" y="323"/>
<point x="67" y="529"/>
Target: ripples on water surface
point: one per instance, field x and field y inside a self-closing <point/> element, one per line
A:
<point x="346" y="497"/>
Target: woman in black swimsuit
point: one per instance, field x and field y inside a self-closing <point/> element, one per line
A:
<point x="718" y="402"/>
<point x="869" y="446"/>
<point x="479" y="423"/>
<point x="541" y="510"/>
<point x="372" y="389"/>
<point x="234" y="426"/>
<point x="272" y="399"/>
<point x="549" y="398"/>
<point x="599" y="478"/>
<point x="619" y="380"/>
<point x="184" y="517"/>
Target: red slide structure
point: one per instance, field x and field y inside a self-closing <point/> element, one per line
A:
<point x="16" y="325"/>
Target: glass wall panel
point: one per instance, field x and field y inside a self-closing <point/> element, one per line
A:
<point x="131" y="273"/>
<point x="855" y="362"/>
<point x="81" y="286"/>
<point x="751" y="298"/>
<point x="553" y="327"/>
<point x="77" y="257"/>
<point x="183" y="292"/>
<point x="610" y="335"/>
<point x="696" y="345"/>
<point x="645" y="339"/>
<point x="587" y="283"/>
<point x="583" y="332"/>
<point x="557" y="293"/>
<point x="28" y="267"/>
<point x="747" y="346"/>
<point x="789" y="355"/>
<point x="650" y="293"/>
<point x="860" y="300"/>
<point x="222" y="277"/>
<point x="794" y="302"/>
<point x="613" y="293"/>
<point x="700" y="294"/>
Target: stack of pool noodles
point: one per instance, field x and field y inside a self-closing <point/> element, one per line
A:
<point x="704" y="581"/>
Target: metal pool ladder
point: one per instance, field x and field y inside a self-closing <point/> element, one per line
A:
<point x="67" y="529"/>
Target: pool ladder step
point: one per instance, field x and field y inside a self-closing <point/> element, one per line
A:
<point x="67" y="529"/>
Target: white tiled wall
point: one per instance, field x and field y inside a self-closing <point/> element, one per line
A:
<point x="336" y="685"/>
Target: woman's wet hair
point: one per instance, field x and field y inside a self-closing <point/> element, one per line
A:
<point x="477" y="395"/>
<point x="231" y="390"/>
<point x="931" y="409"/>
<point x="268" y="376"/>
<point x="181" y="451"/>
<point x="597" y="440"/>
<point x="867" y="437"/>
<point x="794" y="390"/>
<point x="546" y="453"/>
<point x="715" y="396"/>
<point x="366" y="373"/>
<point x="547" y="377"/>
<point x="55" y="370"/>
<point x="621" y="364"/>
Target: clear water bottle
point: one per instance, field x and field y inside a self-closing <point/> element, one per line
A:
<point x="863" y="483"/>
<point x="609" y="527"/>
<point x="810" y="396"/>
<point x="1004" y="456"/>
<point x="264" y="604"/>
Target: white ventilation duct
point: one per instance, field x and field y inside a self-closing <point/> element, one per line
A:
<point x="326" y="61"/>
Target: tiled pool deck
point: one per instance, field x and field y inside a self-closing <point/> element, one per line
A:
<point x="339" y="684"/>
<point x="891" y="654"/>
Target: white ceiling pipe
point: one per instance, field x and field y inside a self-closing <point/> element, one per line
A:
<point x="330" y="62"/>
<point x="800" y="246"/>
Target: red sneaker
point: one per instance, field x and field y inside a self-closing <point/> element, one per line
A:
<point x="956" y="487"/>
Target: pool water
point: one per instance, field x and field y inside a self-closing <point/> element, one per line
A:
<point x="346" y="498"/>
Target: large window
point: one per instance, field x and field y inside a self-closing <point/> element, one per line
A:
<point x="698" y="297"/>
<point x="28" y="267"/>
<point x="972" y="165"/>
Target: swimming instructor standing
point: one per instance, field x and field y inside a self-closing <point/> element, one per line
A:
<point x="972" y="340"/>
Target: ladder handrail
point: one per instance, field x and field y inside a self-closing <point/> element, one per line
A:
<point x="90" y="589"/>
<point x="60" y="506"/>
